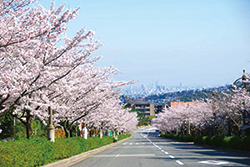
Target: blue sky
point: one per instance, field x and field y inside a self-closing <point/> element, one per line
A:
<point x="196" y="43"/>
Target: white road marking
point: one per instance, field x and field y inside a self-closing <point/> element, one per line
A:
<point x="130" y="143"/>
<point x="171" y="156"/>
<point x="162" y="150"/>
<point x="136" y="143"/>
<point x="130" y="147"/>
<point x="125" y="155"/>
<point x="179" y="162"/>
<point x="213" y="162"/>
<point x="166" y="152"/>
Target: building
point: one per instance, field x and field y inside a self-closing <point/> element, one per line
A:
<point x="145" y="108"/>
<point x="160" y="108"/>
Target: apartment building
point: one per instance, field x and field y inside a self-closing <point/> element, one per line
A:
<point x="145" y="108"/>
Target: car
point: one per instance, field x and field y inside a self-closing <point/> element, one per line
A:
<point x="157" y="133"/>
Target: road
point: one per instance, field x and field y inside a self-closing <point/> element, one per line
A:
<point x="146" y="150"/>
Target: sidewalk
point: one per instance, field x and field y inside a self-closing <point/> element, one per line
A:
<point x="72" y="160"/>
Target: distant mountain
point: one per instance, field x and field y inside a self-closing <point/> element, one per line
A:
<point x="160" y="94"/>
<point x="144" y="91"/>
<point x="187" y="95"/>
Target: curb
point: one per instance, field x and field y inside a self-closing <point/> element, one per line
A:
<point x="77" y="158"/>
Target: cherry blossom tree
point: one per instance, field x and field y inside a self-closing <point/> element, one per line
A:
<point x="42" y="68"/>
<point x="181" y="117"/>
<point x="112" y="117"/>
<point x="32" y="58"/>
<point x="238" y="109"/>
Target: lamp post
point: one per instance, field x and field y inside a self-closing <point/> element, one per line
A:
<point x="50" y="128"/>
<point x="243" y="79"/>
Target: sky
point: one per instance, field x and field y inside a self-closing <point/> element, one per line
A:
<point x="195" y="43"/>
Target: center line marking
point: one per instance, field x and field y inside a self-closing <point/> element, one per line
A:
<point x="171" y="156"/>
<point x="179" y="162"/>
<point x="166" y="152"/>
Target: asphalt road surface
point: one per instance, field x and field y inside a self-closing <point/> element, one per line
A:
<point x="144" y="149"/>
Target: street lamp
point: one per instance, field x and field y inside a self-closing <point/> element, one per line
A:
<point x="50" y="128"/>
<point x="244" y="79"/>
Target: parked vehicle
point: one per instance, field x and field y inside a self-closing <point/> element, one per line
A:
<point x="157" y="133"/>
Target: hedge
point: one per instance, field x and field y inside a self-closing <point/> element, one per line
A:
<point x="40" y="151"/>
<point x="121" y="137"/>
<point x="184" y="138"/>
<point x="33" y="152"/>
<point x="232" y="142"/>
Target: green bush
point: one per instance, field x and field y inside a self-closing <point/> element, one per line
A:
<point x="33" y="152"/>
<point x="246" y="143"/>
<point x="184" y="138"/>
<point x="39" y="151"/>
<point x="233" y="142"/>
<point x="218" y="140"/>
<point x="198" y="140"/>
<point x="121" y="137"/>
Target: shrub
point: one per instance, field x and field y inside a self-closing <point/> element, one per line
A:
<point x="40" y="151"/>
<point x="235" y="142"/>
<point x="184" y="138"/>
<point x="198" y="140"/>
<point x="121" y="137"/>
<point x="218" y="140"/>
<point x="33" y="152"/>
<point x="59" y="133"/>
<point x="246" y="143"/>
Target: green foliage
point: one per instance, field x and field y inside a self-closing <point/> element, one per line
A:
<point x="138" y="113"/>
<point x="20" y="130"/>
<point x="33" y="152"/>
<point x="233" y="142"/>
<point x="246" y="143"/>
<point x="121" y="137"/>
<point x="7" y="125"/>
<point x="38" y="129"/>
<point x="184" y="138"/>
<point x="39" y="151"/>
<point x="151" y="117"/>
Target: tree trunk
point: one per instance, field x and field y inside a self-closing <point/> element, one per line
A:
<point x="28" y="124"/>
<point x="76" y="131"/>
<point x="66" y="128"/>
